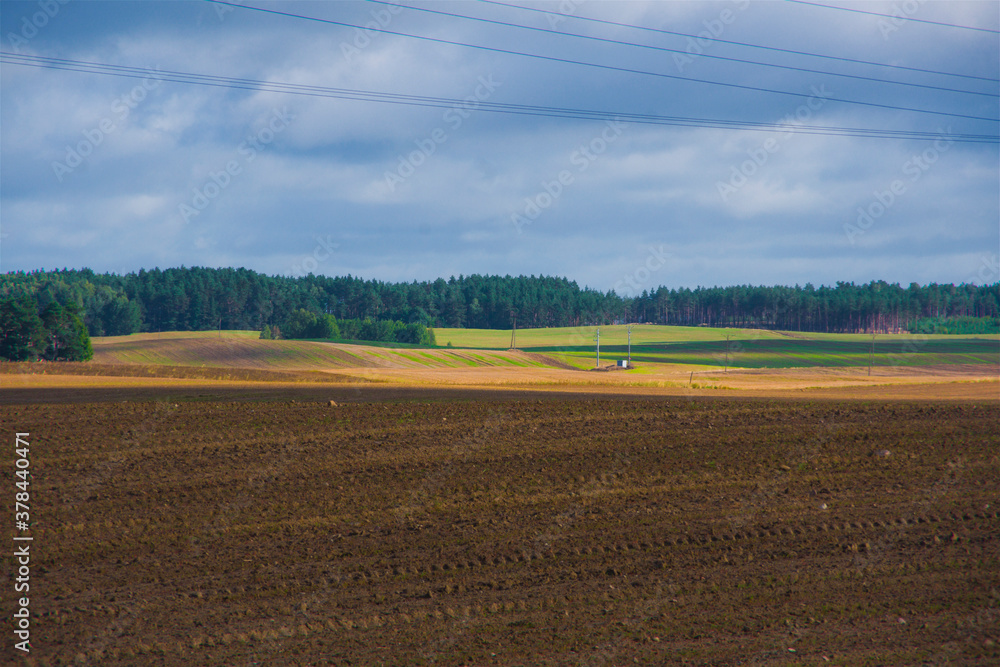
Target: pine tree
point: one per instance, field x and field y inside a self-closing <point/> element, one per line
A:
<point x="22" y="333"/>
<point x="66" y="336"/>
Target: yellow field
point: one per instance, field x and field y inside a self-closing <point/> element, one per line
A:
<point x="243" y="349"/>
<point x="964" y="383"/>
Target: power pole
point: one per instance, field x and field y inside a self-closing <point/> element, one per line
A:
<point x="728" y="335"/>
<point x="871" y="354"/>
<point x="598" y="347"/>
<point x="629" y="330"/>
<point x="513" y="331"/>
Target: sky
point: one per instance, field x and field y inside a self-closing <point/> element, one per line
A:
<point x="117" y="174"/>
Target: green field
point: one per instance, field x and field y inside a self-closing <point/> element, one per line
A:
<point x="748" y="348"/>
<point x="699" y="347"/>
<point x="499" y="339"/>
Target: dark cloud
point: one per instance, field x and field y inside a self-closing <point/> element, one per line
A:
<point x="112" y="174"/>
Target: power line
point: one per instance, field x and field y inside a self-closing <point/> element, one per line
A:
<point x="571" y="61"/>
<point x="126" y="71"/>
<point x="890" y="16"/>
<point x="735" y="43"/>
<point x="685" y="53"/>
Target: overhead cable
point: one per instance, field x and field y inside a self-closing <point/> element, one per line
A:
<point x="891" y="16"/>
<point x="572" y="61"/>
<point x="256" y="85"/>
<point x="678" y="51"/>
<point x="703" y="37"/>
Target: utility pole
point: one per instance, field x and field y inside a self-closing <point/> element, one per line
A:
<point x="629" y="330"/>
<point x="728" y="336"/>
<point x="598" y="347"/>
<point x="513" y="331"/>
<point x="871" y="354"/>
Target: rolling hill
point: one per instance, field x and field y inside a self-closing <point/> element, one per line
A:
<point x="243" y="349"/>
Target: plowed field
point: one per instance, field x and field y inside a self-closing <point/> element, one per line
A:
<point x="537" y="530"/>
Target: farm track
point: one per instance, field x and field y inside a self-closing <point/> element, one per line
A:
<point x="593" y="531"/>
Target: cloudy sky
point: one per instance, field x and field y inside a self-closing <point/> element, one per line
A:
<point x="305" y="172"/>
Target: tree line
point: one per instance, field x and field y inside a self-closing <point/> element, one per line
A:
<point x="955" y="325"/>
<point x="304" y="324"/>
<point x="52" y="333"/>
<point x="875" y="307"/>
<point x="204" y="299"/>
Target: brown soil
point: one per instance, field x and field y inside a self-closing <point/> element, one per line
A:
<point x="527" y="529"/>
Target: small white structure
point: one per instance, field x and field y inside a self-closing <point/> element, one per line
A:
<point x="623" y="363"/>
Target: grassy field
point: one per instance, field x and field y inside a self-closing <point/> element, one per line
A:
<point x="699" y="347"/>
<point x="747" y="348"/>
<point x="499" y="339"/>
<point x="790" y="353"/>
